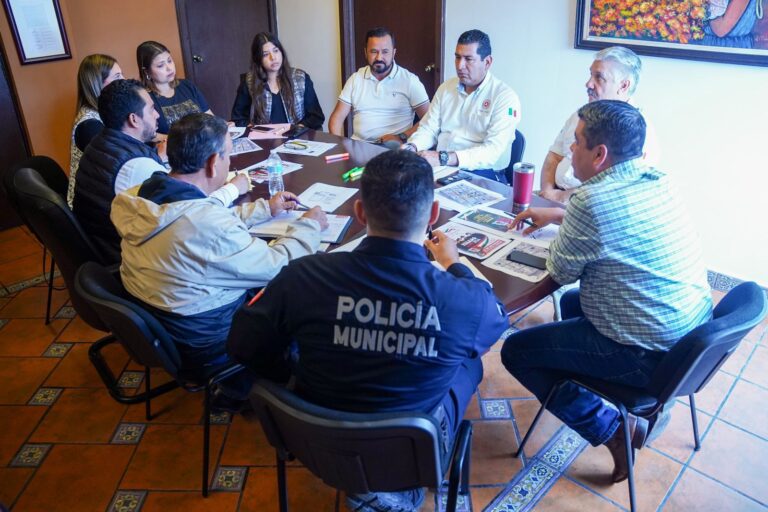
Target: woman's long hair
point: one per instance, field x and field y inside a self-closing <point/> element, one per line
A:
<point x="257" y="79"/>
<point x="145" y="54"/>
<point x="94" y="69"/>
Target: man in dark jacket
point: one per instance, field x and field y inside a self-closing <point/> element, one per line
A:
<point x="380" y="328"/>
<point x="115" y="160"/>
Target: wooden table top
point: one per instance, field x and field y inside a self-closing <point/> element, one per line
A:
<point x="515" y="293"/>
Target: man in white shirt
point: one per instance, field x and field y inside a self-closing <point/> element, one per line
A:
<point x="613" y="75"/>
<point x="382" y="95"/>
<point x="472" y="118"/>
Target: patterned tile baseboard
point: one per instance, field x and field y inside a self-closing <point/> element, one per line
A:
<point x="542" y="471"/>
<point x="722" y="282"/>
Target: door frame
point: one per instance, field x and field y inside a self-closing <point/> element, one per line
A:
<point x="349" y="46"/>
<point x="15" y="99"/>
<point x="185" y="37"/>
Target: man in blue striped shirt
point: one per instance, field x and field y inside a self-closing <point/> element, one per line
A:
<point x="643" y="286"/>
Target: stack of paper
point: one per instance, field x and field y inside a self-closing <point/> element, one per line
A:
<point x="278" y="226"/>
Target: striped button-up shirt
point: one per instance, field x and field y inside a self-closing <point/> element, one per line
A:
<point x="628" y="238"/>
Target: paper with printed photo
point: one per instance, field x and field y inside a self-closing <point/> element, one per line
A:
<point x="243" y="145"/>
<point x="462" y="195"/>
<point x="500" y="262"/>
<point x="473" y="242"/>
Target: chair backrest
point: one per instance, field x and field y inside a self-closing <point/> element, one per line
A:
<point x="695" y="359"/>
<point x="48" y="170"/>
<point x="355" y="452"/>
<point x="52" y="221"/>
<point x="517" y="151"/>
<point x="140" y="333"/>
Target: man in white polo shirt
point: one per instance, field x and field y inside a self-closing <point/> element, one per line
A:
<point x="382" y="95"/>
<point x="472" y="118"/>
<point x="613" y="75"/>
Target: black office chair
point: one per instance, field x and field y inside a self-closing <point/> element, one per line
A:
<point x="360" y="453"/>
<point x="49" y="217"/>
<point x="684" y="371"/>
<point x="517" y="150"/>
<point x="54" y="177"/>
<point x="148" y="343"/>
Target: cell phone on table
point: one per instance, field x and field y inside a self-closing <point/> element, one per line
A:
<point x="262" y="128"/>
<point x="458" y="176"/>
<point x="528" y="259"/>
<point x="296" y="131"/>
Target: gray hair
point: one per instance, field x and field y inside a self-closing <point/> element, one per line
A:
<point x="627" y="60"/>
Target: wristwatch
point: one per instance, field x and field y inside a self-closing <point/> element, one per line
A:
<point x="443" y="157"/>
<point x="403" y="137"/>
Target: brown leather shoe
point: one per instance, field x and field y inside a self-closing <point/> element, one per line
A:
<point x="638" y="429"/>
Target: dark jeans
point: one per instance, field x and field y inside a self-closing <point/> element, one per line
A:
<point x="450" y="411"/>
<point x="491" y="175"/>
<point x="544" y="355"/>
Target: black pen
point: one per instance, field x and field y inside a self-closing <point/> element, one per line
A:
<point x="524" y="221"/>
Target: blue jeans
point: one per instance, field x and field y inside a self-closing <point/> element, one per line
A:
<point x="542" y="356"/>
<point x="491" y="175"/>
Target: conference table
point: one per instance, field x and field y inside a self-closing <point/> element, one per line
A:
<point x="515" y="293"/>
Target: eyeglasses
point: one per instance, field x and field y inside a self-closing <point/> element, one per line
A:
<point x="296" y="145"/>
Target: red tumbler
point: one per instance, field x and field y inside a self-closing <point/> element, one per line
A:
<point x="522" y="186"/>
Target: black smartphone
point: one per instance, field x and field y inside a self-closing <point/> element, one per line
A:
<point x="295" y="131"/>
<point x="262" y="128"/>
<point x="460" y="175"/>
<point x="528" y="259"/>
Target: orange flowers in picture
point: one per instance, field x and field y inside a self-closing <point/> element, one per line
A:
<point x="720" y="30"/>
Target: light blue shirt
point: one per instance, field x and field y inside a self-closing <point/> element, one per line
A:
<point x="629" y="240"/>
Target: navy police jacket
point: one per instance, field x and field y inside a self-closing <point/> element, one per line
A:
<point x="377" y="329"/>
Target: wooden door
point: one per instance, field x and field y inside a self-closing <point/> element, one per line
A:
<point x="13" y="139"/>
<point x="418" y="27"/>
<point x="216" y="44"/>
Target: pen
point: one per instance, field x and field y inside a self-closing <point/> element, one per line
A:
<point x="256" y="297"/>
<point x="355" y="171"/>
<point x="339" y="156"/>
<point x="299" y="203"/>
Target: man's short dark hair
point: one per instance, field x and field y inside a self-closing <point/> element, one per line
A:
<point x="479" y="37"/>
<point x="397" y="190"/>
<point x="379" y="32"/>
<point x="617" y="124"/>
<point x="118" y="100"/>
<point x="193" y="139"/>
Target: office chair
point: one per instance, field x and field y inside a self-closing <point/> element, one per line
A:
<point x="684" y="371"/>
<point x="48" y="216"/>
<point x="148" y="343"/>
<point x="54" y="177"/>
<point x="517" y="151"/>
<point x="360" y="453"/>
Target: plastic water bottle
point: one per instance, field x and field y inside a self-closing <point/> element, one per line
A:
<point x="275" y="172"/>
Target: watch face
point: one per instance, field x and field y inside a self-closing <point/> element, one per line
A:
<point x="403" y="137"/>
<point x="443" y="157"/>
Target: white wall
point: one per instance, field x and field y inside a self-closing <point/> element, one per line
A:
<point x="711" y="119"/>
<point x="309" y="31"/>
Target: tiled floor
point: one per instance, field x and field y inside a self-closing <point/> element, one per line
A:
<point x="66" y="445"/>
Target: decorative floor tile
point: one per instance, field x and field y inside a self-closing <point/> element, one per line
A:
<point x="23" y="285"/>
<point x="130" y="380"/>
<point x="127" y="501"/>
<point x="57" y="349"/>
<point x="66" y="312"/>
<point x="221" y="418"/>
<point x="525" y="490"/>
<point x="495" y="409"/>
<point x="30" y="455"/>
<point x="45" y="396"/>
<point x="229" y="479"/>
<point x="566" y="447"/>
<point x="462" y="502"/>
<point x="128" y="433"/>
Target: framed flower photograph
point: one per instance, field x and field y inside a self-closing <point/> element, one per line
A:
<point x="732" y="31"/>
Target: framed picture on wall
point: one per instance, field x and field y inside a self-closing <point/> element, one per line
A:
<point x="38" y="30"/>
<point x="733" y="31"/>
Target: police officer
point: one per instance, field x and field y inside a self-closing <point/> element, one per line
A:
<point x="406" y="335"/>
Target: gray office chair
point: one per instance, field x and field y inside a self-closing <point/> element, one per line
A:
<point x="360" y="453"/>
